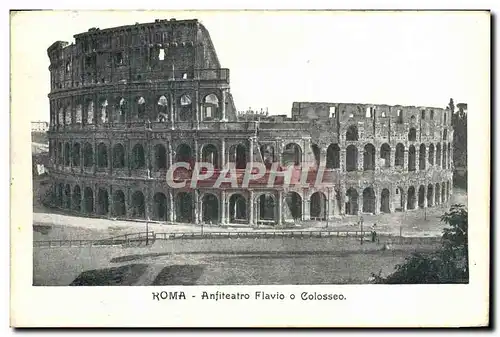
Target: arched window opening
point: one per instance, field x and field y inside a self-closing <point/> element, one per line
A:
<point x="237" y="208"/>
<point x="160" y="157"/>
<point x="209" y="154"/>
<point x="400" y="155"/>
<point x="411" y="158"/>
<point x="90" y="112"/>
<point x="421" y="157"/>
<point x="369" y="158"/>
<point x="399" y="116"/>
<point x="368" y="200"/>
<point x="119" y="206"/>
<point x="445" y="134"/>
<point x="267" y="208"/>
<point x="210" y="107"/>
<point x="351" y="158"/>
<point x="385" y="200"/>
<point x="430" y="195"/>
<point x="333" y="156"/>
<point x="66" y="154"/>
<point x="88" y="200"/>
<point x="184" y="207"/>
<point x="138" y="209"/>
<point x="444" y="165"/>
<point x="77" y="198"/>
<point x="163" y="110"/>
<point x="141" y="108"/>
<point x="352" y="133"/>
<point x="102" y="202"/>
<point x="138" y="160"/>
<point x="118" y="156"/>
<point x="102" y="155"/>
<point x="267" y="152"/>
<point x="318" y="206"/>
<point x="400" y="199"/>
<point x="385" y="155"/>
<point x="210" y="206"/>
<point x="104" y="110"/>
<point x="351" y="203"/>
<point x="88" y="155"/>
<point x="183" y="154"/>
<point x="421" y="196"/>
<point x="292" y="155"/>
<point x="411" y="198"/>
<point x="438" y="155"/>
<point x="67" y="196"/>
<point x="412" y="135"/>
<point x="185" y="110"/>
<point x="76" y="154"/>
<point x="431" y="154"/>
<point x="160" y="207"/>
<point x="293" y="206"/>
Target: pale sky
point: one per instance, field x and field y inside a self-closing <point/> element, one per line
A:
<point x="276" y="58"/>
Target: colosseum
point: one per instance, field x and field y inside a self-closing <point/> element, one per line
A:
<point x="127" y="103"/>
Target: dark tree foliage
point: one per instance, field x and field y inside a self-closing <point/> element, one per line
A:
<point x="459" y="122"/>
<point x="449" y="264"/>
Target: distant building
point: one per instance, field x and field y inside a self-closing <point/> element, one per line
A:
<point x="39" y="126"/>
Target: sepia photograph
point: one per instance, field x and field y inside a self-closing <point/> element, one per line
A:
<point x="250" y="148"/>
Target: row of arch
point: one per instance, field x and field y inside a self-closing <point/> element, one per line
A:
<point x="292" y="154"/>
<point x="353" y="135"/>
<point x="121" y="109"/>
<point x="82" y="200"/>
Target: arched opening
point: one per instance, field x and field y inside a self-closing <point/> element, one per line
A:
<point x="76" y="154"/>
<point x="412" y="135"/>
<point x="88" y="155"/>
<point x="411" y="198"/>
<point x="138" y="160"/>
<point x="210" y="206"/>
<point x="385" y="199"/>
<point x="66" y="154"/>
<point x="102" y="155"/>
<point x="138" y="207"/>
<point x="430" y="196"/>
<point x="119" y="207"/>
<point x="141" y="108"/>
<point x="67" y="196"/>
<point x="184" y="207"/>
<point x="431" y="154"/>
<point x="449" y="156"/>
<point x="293" y="208"/>
<point x="400" y="155"/>
<point x="59" y="156"/>
<point x="238" y="155"/>
<point x="352" y="133"/>
<point x="368" y="200"/>
<point x="438" y="155"/>
<point x="317" y="154"/>
<point x="448" y="189"/>
<point x="163" y="110"/>
<point x="445" y="134"/>
<point x="118" y="156"/>
<point x="421" y="157"/>
<point x="351" y="205"/>
<point x="88" y="200"/>
<point x="160" y="207"/>
<point x="400" y="199"/>
<point x="209" y="154"/>
<point x="437" y="194"/>
<point x="333" y="156"/>
<point x="59" y="195"/>
<point x="444" y="156"/>
<point x="443" y="193"/>
<point x="369" y="158"/>
<point x="77" y="198"/>
<point x="411" y="158"/>
<point x="351" y="158"/>
<point x="210" y="108"/>
<point x="102" y="202"/>
<point x="183" y="154"/>
<point x="421" y="196"/>
<point x="318" y="206"/>
<point x="160" y="157"/>
<point x="237" y="208"/>
<point x="267" y="153"/>
<point x="267" y="207"/>
<point x="185" y="108"/>
<point x="292" y="154"/>
<point x="385" y="155"/>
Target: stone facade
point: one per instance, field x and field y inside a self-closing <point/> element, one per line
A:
<point x="129" y="102"/>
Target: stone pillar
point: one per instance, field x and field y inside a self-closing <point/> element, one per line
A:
<point x="342" y="199"/>
<point x="360" y="200"/>
<point x="306" y="211"/>
<point x="223" y="218"/>
<point x="417" y="159"/>
<point x="342" y="160"/>
<point x="170" y="155"/>
<point x="223" y="153"/>
<point x="425" y="196"/>
<point x="128" y="209"/>
<point x="110" y="158"/>
<point x="196" y="200"/>
<point x="378" y="199"/>
<point x="405" y="159"/>
<point x="251" y="150"/>
<point x="196" y="152"/>
<point x="280" y="208"/>
<point x="279" y="149"/>
<point x="223" y="103"/>
<point x="172" y="110"/>
<point x="110" y="201"/>
<point x="171" y="204"/>
<point x="251" y="208"/>
<point x="330" y="203"/>
<point x="404" y="196"/>
<point x="360" y="158"/>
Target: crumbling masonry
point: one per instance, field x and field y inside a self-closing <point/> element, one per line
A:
<point x="127" y="103"/>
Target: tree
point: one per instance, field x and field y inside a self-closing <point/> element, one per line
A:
<point x="449" y="264"/>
